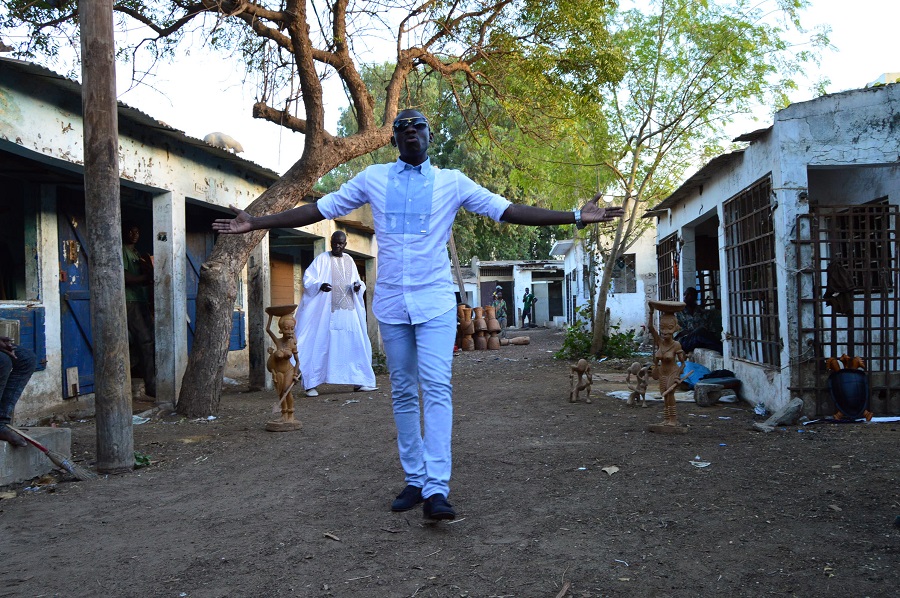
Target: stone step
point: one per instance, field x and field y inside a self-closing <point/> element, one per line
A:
<point x="20" y="464"/>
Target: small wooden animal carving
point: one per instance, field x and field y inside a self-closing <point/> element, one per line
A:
<point x="580" y="378"/>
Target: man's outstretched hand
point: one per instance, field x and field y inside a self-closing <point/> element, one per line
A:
<point x="591" y="212"/>
<point x="233" y="226"/>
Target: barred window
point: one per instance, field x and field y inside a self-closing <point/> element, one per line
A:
<point x="753" y="323"/>
<point x="859" y="241"/>
<point x="667" y="266"/>
<point x="624" y="279"/>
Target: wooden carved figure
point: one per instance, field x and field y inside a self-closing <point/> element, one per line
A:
<point x="284" y="373"/>
<point x="641" y="375"/>
<point x="668" y="362"/>
<point x="580" y="378"/>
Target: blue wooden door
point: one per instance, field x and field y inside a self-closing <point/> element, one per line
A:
<point x="198" y="247"/>
<point x="75" y="307"/>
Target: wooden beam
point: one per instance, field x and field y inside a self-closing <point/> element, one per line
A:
<point x="112" y="387"/>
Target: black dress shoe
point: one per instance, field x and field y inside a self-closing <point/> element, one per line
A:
<point x="437" y="507"/>
<point x="408" y="499"/>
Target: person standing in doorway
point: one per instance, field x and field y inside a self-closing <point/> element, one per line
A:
<point x="413" y="207"/>
<point x="528" y="301"/>
<point x="499" y="304"/>
<point x="138" y="287"/>
<point x="334" y="344"/>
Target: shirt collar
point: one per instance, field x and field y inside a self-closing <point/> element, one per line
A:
<point x="424" y="167"/>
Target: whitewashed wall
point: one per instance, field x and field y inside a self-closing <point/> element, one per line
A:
<point x="856" y="128"/>
<point x="40" y="121"/>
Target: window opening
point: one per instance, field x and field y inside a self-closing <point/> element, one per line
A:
<point x="753" y="323"/>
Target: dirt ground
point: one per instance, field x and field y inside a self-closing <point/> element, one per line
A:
<point x="228" y="509"/>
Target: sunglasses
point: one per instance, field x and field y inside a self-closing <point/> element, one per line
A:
<point x="419" y="122"/>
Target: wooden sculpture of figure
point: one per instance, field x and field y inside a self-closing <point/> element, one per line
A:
<point x="666" y="360"/>
<point x="641" y="375"/>
<point x="284" y="373"/>
<point x="580" y="378"/>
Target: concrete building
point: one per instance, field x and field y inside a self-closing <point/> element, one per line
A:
<point x="172" y="187"/>
<point x="632" y="285"/>
<point x="543" y="277"/>
<point x="795" y="238"/>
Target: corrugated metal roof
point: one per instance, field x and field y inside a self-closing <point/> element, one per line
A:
<point x="561" y="247"/>
<point x="140" y="118"/>
<point x="753" y="135"/>
<point x="696" y="181"/>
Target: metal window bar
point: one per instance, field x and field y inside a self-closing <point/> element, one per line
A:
<point x="863" y="242"/>
<point x="666" y="264"/>
<point x="708" y="285"/>
<point x="753" y="324"/>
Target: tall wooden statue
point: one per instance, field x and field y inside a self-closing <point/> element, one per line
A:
<point x="668" y="363"/>
<point x="284" y="373"/>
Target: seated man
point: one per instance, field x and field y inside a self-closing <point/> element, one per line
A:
<point x="700" y="328"/>
<point x="16" y="366"/>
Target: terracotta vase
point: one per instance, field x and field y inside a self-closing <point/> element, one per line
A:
<point x="480" y="341"/>
<point x="493" y="328"/>
<point x="466" y="329"/>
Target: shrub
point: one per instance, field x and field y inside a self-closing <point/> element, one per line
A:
<point x="620" y="344"/>
<point x="577" y="341"/>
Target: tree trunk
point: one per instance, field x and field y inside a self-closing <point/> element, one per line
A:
<point x="201" y="386"/>
<point x="115" y="442"/>
<point x="601" y="326"/>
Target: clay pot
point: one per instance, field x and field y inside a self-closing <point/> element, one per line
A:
<point x="493" y="342"/>
<point x="480" y="342"/>
<point x="468" y="344"/>
<point x="281" y="310"/>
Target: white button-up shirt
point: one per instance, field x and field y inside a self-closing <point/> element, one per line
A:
<point x="413" y="208"/>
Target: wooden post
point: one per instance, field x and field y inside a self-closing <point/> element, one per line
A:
<point x="258" y="341"/>
<point x="459" y="279"/>
<point x="112" y="387"/>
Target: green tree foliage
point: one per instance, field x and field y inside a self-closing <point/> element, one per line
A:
<point x="690" y="68"/>
<point x="486" y="158"/>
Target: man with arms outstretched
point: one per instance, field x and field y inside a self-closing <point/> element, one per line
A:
<point x="413" y="205"/>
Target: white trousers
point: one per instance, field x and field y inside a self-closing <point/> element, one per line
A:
<point x="421" y="355"/>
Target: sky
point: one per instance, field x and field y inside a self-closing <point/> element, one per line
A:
<point x="201" y="95"/>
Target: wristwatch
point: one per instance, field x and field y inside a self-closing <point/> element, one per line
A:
<point x="579" y="223"/>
